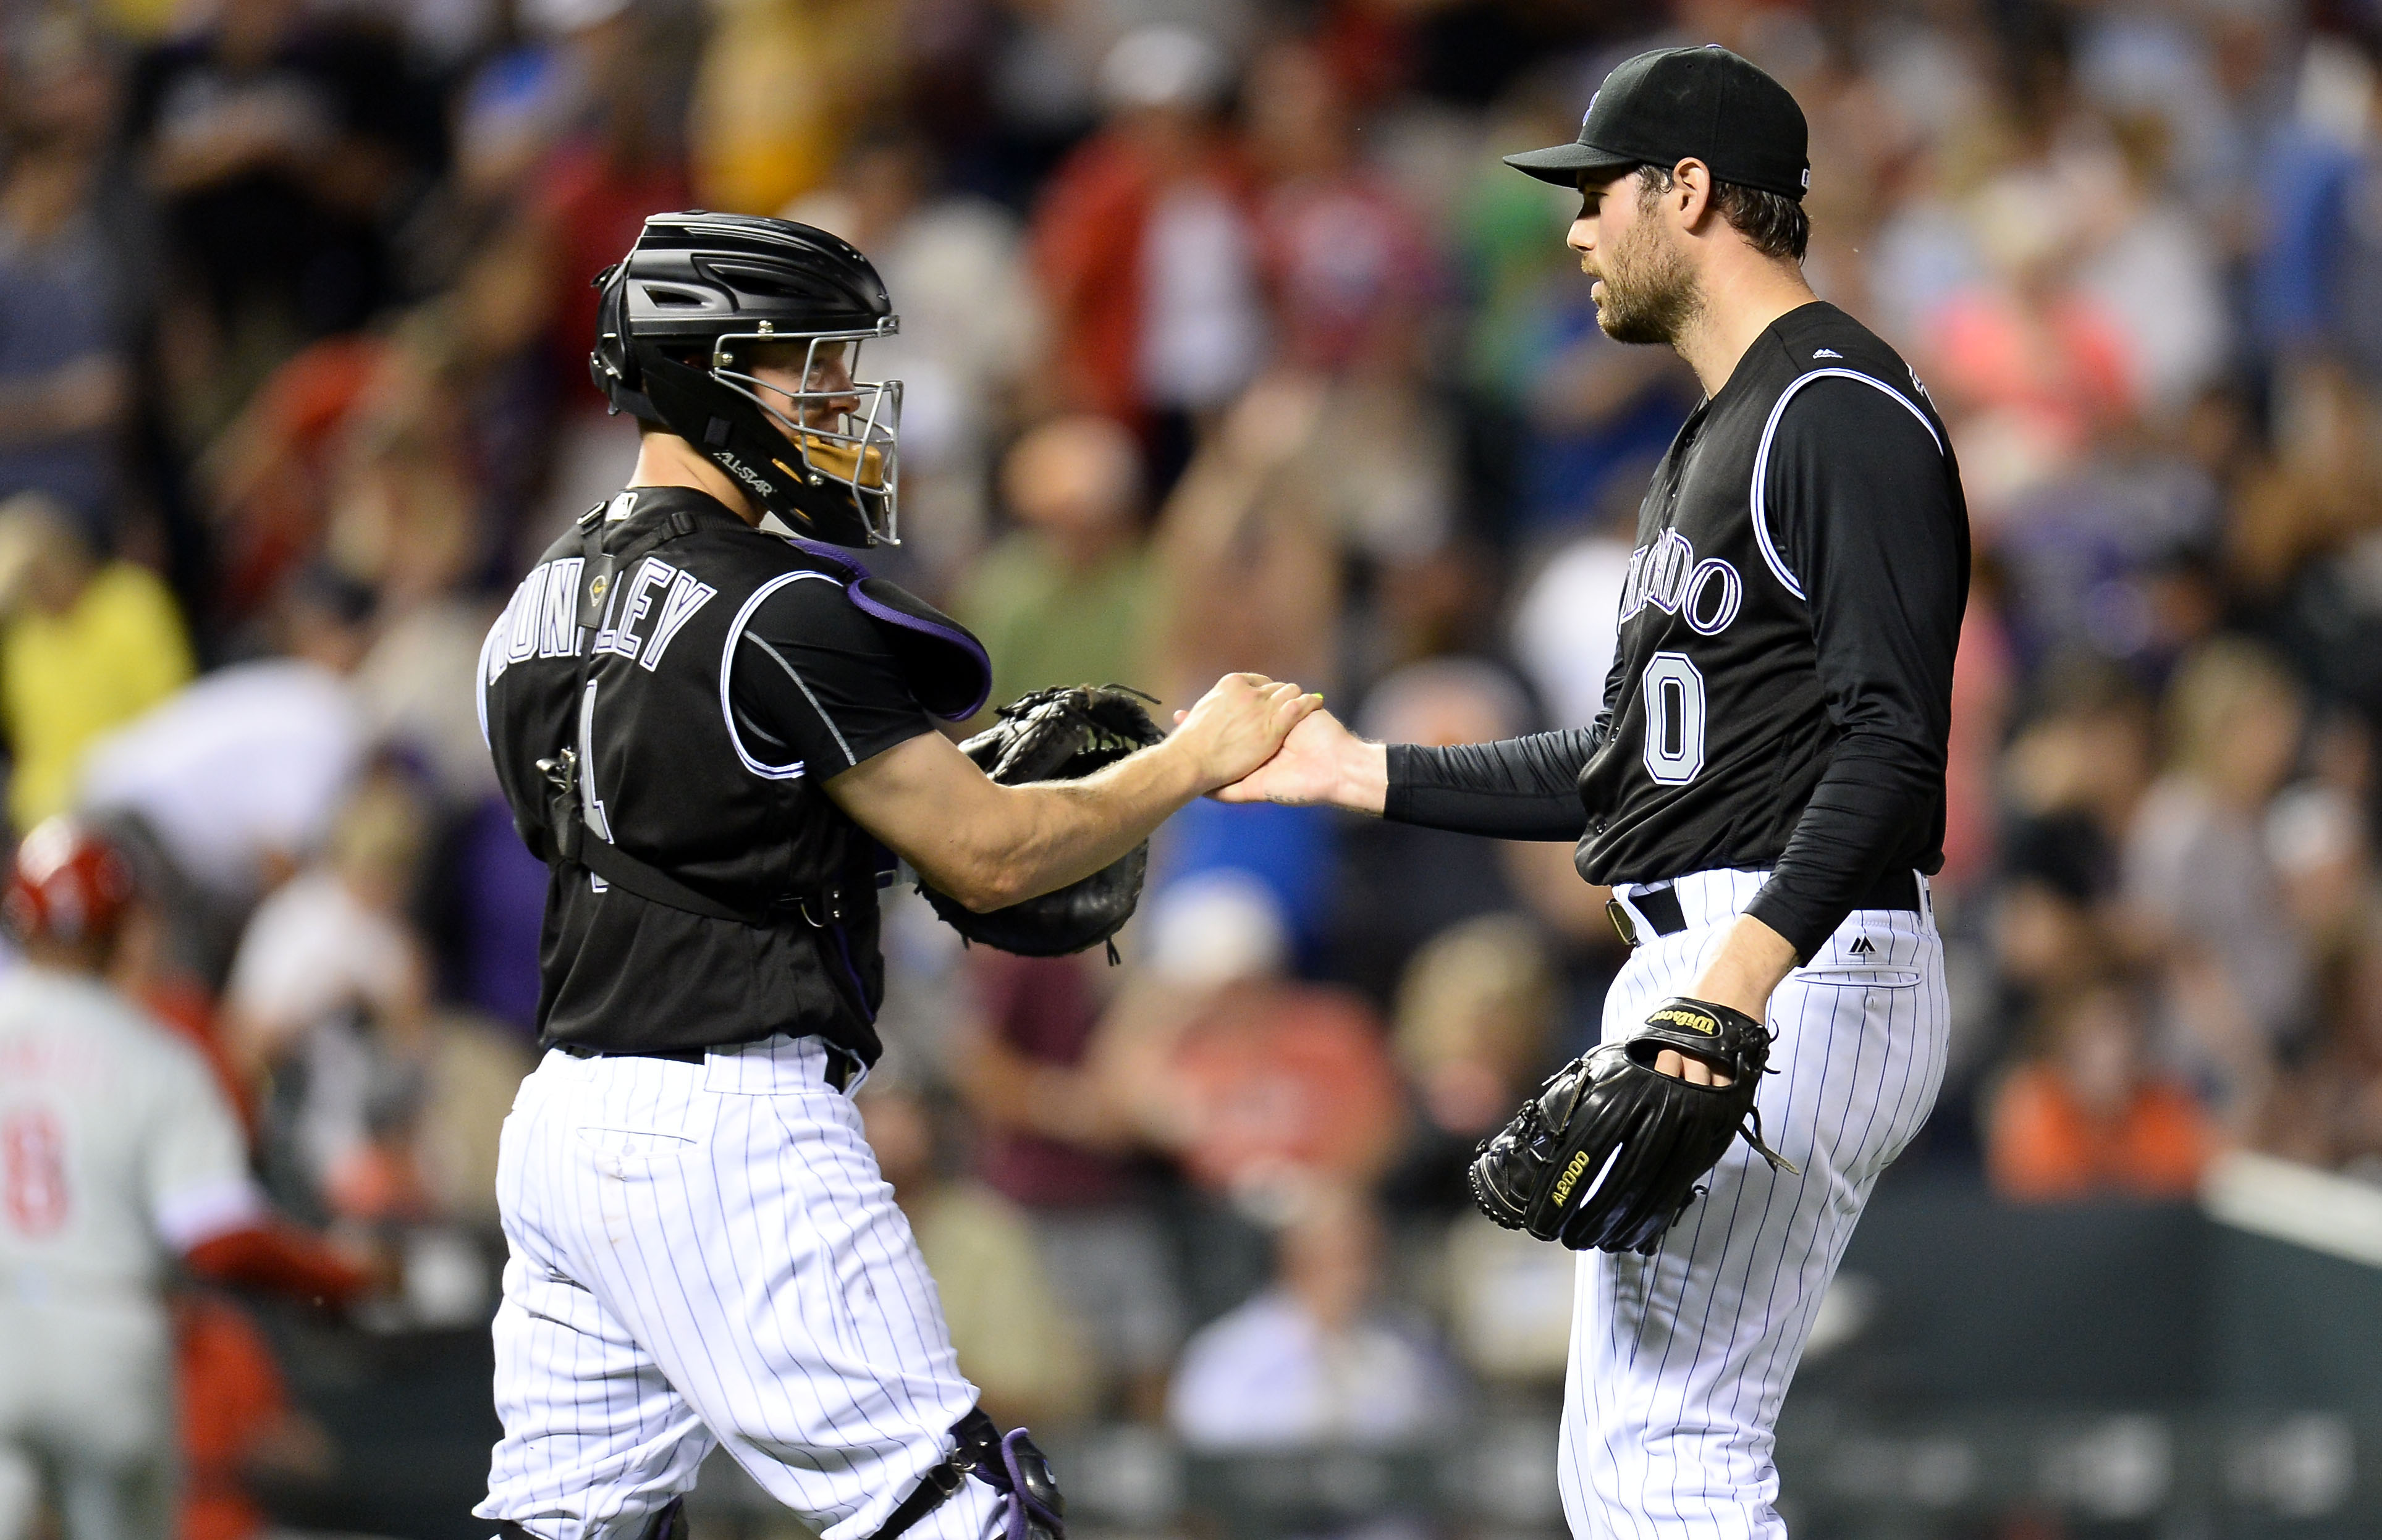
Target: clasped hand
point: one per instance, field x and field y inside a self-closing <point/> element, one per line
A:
<point x="1237" y="726"/>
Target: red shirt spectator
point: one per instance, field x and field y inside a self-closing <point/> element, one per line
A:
<point x="1038" y="1015"/>
<point x="1142" y="238"/>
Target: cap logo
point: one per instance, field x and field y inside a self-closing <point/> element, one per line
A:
<point x="1807" y="179"/>
<point x="1591" y="106"/>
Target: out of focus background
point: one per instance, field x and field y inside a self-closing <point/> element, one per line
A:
<point x="1229" y="344"/>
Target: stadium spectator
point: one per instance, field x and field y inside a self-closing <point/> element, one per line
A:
<point x="236" y="1422"/>
<point x="1257" y="1082"/>
<point x="1315" y="1361"/>
<point x="1148" y="250"/>
<point x="67" y="262"/>
<point x="2086" y="1113"/>
<point x="278" y="142"/>
<point x="1065" y="598"/>
<point x="2199" y="874"/>
<point x="1398" y="884"/>
<point x="1474" y="1033"/>
<point x="1348" y="262"/>
<point x="238" y="775"/>
<point x="329" y="997"/>
<point x="86" y="645"/>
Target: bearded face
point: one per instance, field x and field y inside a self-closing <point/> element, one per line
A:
<point x="1650" y="294"/>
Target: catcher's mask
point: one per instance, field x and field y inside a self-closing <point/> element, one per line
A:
<point x="683" y="320"/>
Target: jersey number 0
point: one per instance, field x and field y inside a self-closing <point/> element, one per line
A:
<point x="1675" y="718"/>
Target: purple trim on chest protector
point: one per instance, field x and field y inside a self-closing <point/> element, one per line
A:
<point x="855" y="576"/>
<point x="834" y="556"/>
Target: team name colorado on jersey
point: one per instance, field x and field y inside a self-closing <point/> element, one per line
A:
<point x="1706" y="595"/>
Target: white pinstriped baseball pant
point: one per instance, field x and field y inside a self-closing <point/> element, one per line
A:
<point x="1679" y="1361"/>
<point x="706" y="1253"/>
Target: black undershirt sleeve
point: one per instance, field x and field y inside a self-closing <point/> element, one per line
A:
<point x="814" y="680"/>
<point x="1864" y="512"/>
<point x="1514" y="788"/>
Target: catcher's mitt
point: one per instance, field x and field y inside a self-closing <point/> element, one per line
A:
<point x="1610" y="1152"/>
<point x="1060" y="735"/>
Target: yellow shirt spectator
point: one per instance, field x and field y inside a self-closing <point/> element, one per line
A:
<point x="106" y="646"/>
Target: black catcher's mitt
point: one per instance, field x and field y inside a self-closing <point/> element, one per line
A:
<point x="1610" y="1152"/>
<point x="1060" y="735"/>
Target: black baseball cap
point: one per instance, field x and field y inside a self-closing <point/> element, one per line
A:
<point x="1661" y="107"/>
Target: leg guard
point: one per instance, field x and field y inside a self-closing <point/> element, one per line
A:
<point x="1010" y="1464"/>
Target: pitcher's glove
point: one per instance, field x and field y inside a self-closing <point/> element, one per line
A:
<point x="1060" y="735"/>
<point x="1610" y="1152"/>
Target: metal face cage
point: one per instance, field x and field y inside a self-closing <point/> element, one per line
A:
<point x="860" y="450"/>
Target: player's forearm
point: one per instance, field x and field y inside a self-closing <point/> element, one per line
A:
<point x="1050" y="834"/>
<point x="1516" y="789"/>
<point x="1871" y="808"/>
<point x="1752" y="960"/>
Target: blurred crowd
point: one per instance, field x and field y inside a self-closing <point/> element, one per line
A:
<point x="1228" y="345"/>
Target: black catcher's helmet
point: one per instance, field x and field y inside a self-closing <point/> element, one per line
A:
<point x="682" y="315"/>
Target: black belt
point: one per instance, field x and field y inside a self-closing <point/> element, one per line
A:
<point x="1898" y="887"/>
<point x="843" y="1064"/>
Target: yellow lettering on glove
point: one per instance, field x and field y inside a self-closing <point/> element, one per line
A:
<point x="1571" y="1175"/>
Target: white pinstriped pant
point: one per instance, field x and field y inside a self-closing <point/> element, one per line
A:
<point x="706" y="1253"/>
<point x="1679" y="1361"/>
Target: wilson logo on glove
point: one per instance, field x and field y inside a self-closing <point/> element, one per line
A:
<point x="1694" y="1020"/>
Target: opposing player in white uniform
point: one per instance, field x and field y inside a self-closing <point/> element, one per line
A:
<point x="1763" y="791"/>
<point x="118" y="1156"/>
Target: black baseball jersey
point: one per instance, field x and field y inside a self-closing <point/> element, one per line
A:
<point x="731" y="671"/>
<point x="1781" y="694"/>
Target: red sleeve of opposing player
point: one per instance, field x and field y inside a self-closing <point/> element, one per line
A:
<point x="280" y="1258"/>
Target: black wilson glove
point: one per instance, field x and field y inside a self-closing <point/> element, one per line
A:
<point x="1611" y="1151"/>
<point x="1060" y="735"/>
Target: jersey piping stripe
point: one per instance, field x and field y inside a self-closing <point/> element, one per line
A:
<point x="778" y="659"/>
<point x="727" y="667"/>
<point x="480" y="685"/>
<point x="1770" y="555"/>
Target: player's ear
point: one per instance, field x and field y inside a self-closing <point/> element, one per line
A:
<point x="1690" y="195"/>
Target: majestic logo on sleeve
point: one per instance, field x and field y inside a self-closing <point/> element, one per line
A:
<point x="1706" y="595"/>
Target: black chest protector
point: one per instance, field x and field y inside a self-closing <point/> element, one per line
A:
<point x="698" y="894"/>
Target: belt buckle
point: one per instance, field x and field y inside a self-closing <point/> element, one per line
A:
<point x="1622" y="921"/>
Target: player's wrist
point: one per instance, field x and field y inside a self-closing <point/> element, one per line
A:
<point x="1364" y="778"/>
<point x="1182" y="772"/>
<point x="1751" y="962"/>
